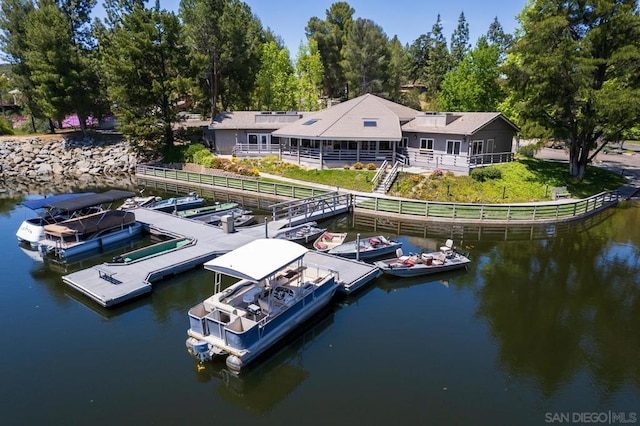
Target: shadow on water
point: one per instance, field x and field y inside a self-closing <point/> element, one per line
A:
<point x="272" y="377"/>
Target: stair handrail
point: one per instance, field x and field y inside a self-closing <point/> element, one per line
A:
<point x="390" y="177"/>
<point x="378" y="175"/>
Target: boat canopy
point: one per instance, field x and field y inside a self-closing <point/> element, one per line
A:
<point x="258" y="259"/>
<point x="92" y="200"/>
<point x="46" y="202"/>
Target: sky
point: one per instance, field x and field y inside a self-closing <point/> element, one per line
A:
<point x="407" y="19"/>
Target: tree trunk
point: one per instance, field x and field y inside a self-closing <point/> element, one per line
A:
<point x="578" y="159"/>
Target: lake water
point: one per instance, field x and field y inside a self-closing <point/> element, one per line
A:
<point x="541" y="329"/>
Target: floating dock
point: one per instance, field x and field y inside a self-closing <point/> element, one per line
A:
<point x="110" y="284"/>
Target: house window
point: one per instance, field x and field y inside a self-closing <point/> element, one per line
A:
<point x="404" y="143"/>
<point x="426" y="143"/>
<point x="384" y="145"/>
<point x="476" y="147"/>
<point x="252" y="138"/>
<point x="453" y="147"/>
<point x="491" y="145"/>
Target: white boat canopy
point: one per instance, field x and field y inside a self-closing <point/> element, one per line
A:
<point x="258" y="259"/>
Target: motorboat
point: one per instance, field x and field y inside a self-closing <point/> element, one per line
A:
<point x="79" y="235"/>
<point x="411" y="265"/>
<point x="329" y="240"/>
<point x="366" y="248"/>
<point x="208" y="213"/>
<point x="189" y="201"/>
<point x="303" y="234"/>
<point x="58" y="208"/>
<point x="276" y="292"/>
<point x="240" y="217"/>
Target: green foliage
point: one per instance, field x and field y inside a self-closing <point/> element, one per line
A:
<point x="574" y="70"/>
<point x="275" y="82"/>
<point x="144" y="63"/>
<point x="482" y="174"/>
<point x="192" y="150"/>
<point x="366" y="57"/>
<point x="460" y="41"/>
<point x="5" y="127"/>
<point x="310" y="73"/>
<point x="331" y="36"/>
<point x="203" y="157"/>
<point x="522" y="181"/>
<point x="473" y="85"/>
<point x="530" y="150"/>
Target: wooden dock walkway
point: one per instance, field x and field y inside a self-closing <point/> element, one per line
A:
<point x="110" y="284"/>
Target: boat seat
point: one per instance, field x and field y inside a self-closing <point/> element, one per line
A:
<point x="447" y="247"/>
<point x="264" y="306"/>
<point x="400" y="255"/>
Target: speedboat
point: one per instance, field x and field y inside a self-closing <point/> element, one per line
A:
<point x="424" y="263"/>
<point x="276" y="292"/>
<point x="62" y="207"/>
<point x="366" y="248"/>
<point x="302" y="234"/>
<point x="188" y="201"/>
<point x="206" y="213"/>
<point x="329" y="240"/>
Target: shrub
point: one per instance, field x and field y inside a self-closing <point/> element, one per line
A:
<point x="202" y="156"/>
<point x="191" y="151"/>
<point x="346" y="167"/>
<point x="437" y="173"/>
<point x="482" y="174"/>
<point x="529" y="150"/>
<point x="358" y="166"/>
<point x="371" y="166"/>
<point x="5" y="128"/>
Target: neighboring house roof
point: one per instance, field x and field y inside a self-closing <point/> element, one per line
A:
<point x="248" y="120"/>
<point x="366" y="117"/>
<point x="459" y="123"/>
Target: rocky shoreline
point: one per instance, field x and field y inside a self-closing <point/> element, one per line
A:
<point x="45" y="158"/>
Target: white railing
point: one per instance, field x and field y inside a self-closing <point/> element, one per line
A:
<point x="381" y="170"/>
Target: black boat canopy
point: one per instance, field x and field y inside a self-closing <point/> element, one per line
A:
<point x="92" y="200"/>
<point x="46" y="202"/>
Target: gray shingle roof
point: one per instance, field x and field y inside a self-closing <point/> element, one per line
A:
<point x="254" y="120"/>
<point x="466" y="123"/>
<point x="346" y="121"/>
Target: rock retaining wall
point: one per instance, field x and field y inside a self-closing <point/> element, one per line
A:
<point x="45" y="157"/>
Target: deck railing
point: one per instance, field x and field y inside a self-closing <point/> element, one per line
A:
<point x="552" y="211"/>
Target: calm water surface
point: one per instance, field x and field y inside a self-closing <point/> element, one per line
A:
<point x="542" y="325"/>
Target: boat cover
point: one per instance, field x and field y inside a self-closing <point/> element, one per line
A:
<point x="79" y="203"/>
<point x="91" y="223"/>
<point x="258" y="259"/>
<point x="46" y="202"/>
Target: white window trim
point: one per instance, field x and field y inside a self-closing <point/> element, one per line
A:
<point x="426" y="144"/>
<point x="453" y="143"/>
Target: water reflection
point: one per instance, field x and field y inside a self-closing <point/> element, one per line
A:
<point x="274" y="376"/>
<point x="561" y="306"/>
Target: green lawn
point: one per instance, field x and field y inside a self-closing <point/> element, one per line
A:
<point x="525" y="180"/>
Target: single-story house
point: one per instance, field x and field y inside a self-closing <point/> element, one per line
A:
<point x="369" y="129"/>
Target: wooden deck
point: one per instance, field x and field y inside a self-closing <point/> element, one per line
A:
<point x="110" y="284"/>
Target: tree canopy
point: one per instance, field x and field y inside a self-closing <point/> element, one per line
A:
<point x="571" y="62"/>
